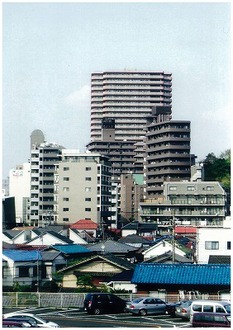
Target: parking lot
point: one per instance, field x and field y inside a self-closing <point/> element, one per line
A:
<point x="68" y="318"/>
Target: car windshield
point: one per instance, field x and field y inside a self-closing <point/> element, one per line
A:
<point x="228" y="308"/>
<point x="136" y="301"/>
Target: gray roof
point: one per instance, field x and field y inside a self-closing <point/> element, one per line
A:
<point x="84" y="235"/>
<point x="134" y="239"/>
<point x="167" y="257"/>
<point x="135" y="225"/>
<point x="124" y="264"/>
<point x="49" y="255"/>
<point x="56" y="235"/>
<point x="111" y="247"/>
<point x="11" y="233"/>
<point x="219" y="260"/>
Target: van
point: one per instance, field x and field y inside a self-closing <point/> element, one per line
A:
<point x="209" y="306"/>
<point x="213" y="320"/>
<point x="103" y="303"/>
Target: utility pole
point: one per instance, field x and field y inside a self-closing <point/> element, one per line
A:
<point x="173" y="236"/>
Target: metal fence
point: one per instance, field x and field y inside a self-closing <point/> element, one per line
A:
<point x="75" y="300"/>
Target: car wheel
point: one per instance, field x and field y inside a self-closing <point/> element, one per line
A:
<point x="143" y="312"/>
<point x="96" y="311"/>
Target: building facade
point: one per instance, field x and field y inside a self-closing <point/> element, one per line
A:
<point x="44" y="156"/>
<point x="82" y="188"/>
<point x="188" y="203"/>
<point x="131" y="194"/>
<point x="168" y="155"/>
<point x="213" y="242"/>
<point x="128" y="98"/>
<point x="19" y="187"/>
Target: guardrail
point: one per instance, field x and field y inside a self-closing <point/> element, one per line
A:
<point x="75" y="300"/>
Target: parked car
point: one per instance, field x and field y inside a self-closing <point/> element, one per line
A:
<point x="103" y="303"/>
<point x="41" y="323"/>
<point x="209" y="306"/>
<point x="213" y="320"/>
<point x="183" y="310"/>
<point x="147" y="305"/>
<point x="27" y="319"/>
<point x="15" y="324"/>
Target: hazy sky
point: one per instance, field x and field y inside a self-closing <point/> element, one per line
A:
<point x="51" y="49"/>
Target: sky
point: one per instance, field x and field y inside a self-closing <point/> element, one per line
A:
<point x="49" y="51"/>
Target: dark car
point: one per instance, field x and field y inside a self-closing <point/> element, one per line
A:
<point x="213" y="320"/>
<point x="103" y="303"/>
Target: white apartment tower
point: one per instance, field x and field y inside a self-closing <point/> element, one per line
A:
<point x="128" y="98"/>
<point x="44" y="156"/>
<point x="82" y="188"/>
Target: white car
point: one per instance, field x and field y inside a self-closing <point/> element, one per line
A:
<point x="35" y="320"/>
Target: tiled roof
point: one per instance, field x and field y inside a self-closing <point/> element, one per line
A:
<point x="126" y="275"/>
<point x="49" y="255"/>
<point x="134" y="239"/>
<point x="119" y="262"/>
<point x="22" y="255"/>
<point x="182" y="274"/>
<point x="167" y="256"/>
<point x="141" y="226"/>
<point x="111" y="247"/>
<point x="84" y="224"/>
<point x="70" y="248"/>
<point x="185" y="230"/>
<point x="219" y="260"/>
<point x="84" y="235"/>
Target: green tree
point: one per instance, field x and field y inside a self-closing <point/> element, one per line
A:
<point x="218" y="168"/>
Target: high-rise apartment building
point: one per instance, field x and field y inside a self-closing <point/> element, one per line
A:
<point x="44" y="156"/>
<point x="168" y="155"/>
<point x="128" y="98"/>
<point x="82" y="188"/>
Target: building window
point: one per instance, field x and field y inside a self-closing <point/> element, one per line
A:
<point x="66" y="168"/>
<point x="66" y="199"/>
<point x="66" y="188"/>
<point x="88" y="178"/>
<point x="88" y="189"/>
<point x="66" y="178"/>
<point x="211" y="245"/>
<point x="88" y="169"/>
<point x="190" y="188"/>
<point x="65" y="219"/>
<point x="209" y="188"/>
<point x="65" y="209"/>
<point x="88" y="209"/>
<point x="172" y="188"/>
<point x="229" y="245"/>
<point x="23" y="271"/>
<point x="87" y="199"/>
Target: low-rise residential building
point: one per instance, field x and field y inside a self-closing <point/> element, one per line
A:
<point x="187" y="203"/>
<point x="30" y="267"/>
<point x="213" y="242"/>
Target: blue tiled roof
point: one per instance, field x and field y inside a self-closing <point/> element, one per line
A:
<point x="22" y="255"/>
<point x="71" y="248"/>
<point x="182" y="274"/>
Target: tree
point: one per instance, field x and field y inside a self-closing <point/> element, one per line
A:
<point x="218" y="168"/>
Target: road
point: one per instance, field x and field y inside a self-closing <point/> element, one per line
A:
<point x="76" y="318"/>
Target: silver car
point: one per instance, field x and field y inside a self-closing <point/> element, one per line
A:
<point x="146" y="305"/>
<point x="183" y="310"/>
